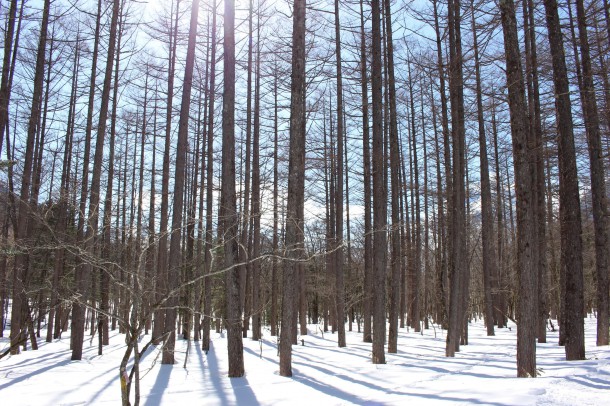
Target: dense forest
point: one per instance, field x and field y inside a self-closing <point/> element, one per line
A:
<point x="174" y="167"/>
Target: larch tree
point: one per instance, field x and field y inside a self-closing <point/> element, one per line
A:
<point x="228" y="203"/>
<point x="459" y="272"/>
<point x="488" y="252"/>
<point x="524" y="184"/>
<point x="207" y="289"/>
<point x="396" y="258"/>
<point x="366" y="163"/>
<point x="293" y="238"/>
<point x="20" y="309"/>
<point x="338" y="254"/>
<point x="83" y="270"/>
<point x="174" y="263"/>
<point x="162" y="260"/>
<point x="380" y="194"/>
<point x="574" y="284"/>
<point x="569" y="198"/>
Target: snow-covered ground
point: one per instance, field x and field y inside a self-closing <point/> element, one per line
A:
<point x="482" y="373"/>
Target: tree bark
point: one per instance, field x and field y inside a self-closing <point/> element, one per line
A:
<point x="488" y="252"/>
<point x="296" y="187"/>
<point x="228" y="199"/>
<point x="208" y="281"/>
<point x="19" y="306"/>
<point x="524" y="184"/>
<point x="339" y="255"/>
<point x="569" y="198"/>
<point x="574" y="285"/>
<point x="380" y="195"/>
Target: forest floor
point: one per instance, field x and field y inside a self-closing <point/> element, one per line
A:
<point x="482" y="373"/>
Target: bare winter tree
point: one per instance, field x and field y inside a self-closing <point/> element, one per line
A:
<point x="294" y="236"/>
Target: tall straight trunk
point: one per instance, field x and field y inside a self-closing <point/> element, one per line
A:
<point x="380" y="195"/>
<point x="207" y="292"/>
<point x="200" y="254"/>
<point x="416" y="217"/>
<point x="256" y="195"/>
<point x="574" y="284"/>
<point x="488" y="252"/>
<point x="275" y="264"/>
<point x="569" y="198"/>
<point x="244" y="246"/>
<point x="228" y="205"/>
<point x="396" y="258"/>
<point x="366" y="163"/>
<point x="426" y="244"/>
<point x="533" y="97"/>
<point x="8" y="69"/>
<point x="294" y="237"/>
<point x="459" y="265"/>
<point x="446" y="228"/>
<point x="19" y="306"/>
<point x="162" y="264"/>
<point x="190" y="272"/>
<point x="500" y="309"/>
<point x="440" y="228"/>
<point x="329" y="182"/>
<point x="351" y="312"/>
<point x="173" y="270"/>
<point x="339" y="255"/>
<point x="524" y="185"/>
<point x="89" y="128"/>
<point x="82" y="272"/>
<point x="150" y="249"/>
<point x="64" y="191"/>
<point x="104" y="274"/>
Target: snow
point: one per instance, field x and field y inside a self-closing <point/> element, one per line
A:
<point x="482" y="373"/>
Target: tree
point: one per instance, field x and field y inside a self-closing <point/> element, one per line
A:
<point x="574" y="295"/>
<point x="256" y="195"/>
<point x="294" y="238"/>
<point x="366" y="163"/>
<point x="175" y="249"/>
<point x="569" y="199"/>
<point x="20" y="308"/>
<point x="396" y="262"/>
<point x="228" y="209"/>
<point x="162" y="261"/>
<point x="338" y="255"/>
<point x="207" y="292"/>
<point x="459" y="277"/>
<point x="380" y="194"/>
<point x="489" y="259"/>
<point x="524" y="184"/>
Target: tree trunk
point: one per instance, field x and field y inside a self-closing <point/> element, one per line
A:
<point x="488" y="252"/>
<point x="524" y="184"/>
<point x="339" y="255"/>
<point x="208" y="281"/>
<point x="569" y="198"/>
<point x="173" y="270"/>
<point x="256" y="197"/>
<point x="162" y="265"/>
<point x="296" y="187"/>
<point x="19" y="305"/>
<point x="396" y="259"/>
<point x="458" y="297"/>
<point x="275" y="264"/>
<point x="574" y="298"/>
<point x="366" y="163"/>
<point x="380" y="195"/>
<point x="228" y="199"/>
